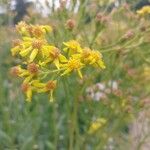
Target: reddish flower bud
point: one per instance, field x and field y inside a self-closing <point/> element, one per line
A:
<point x="25" y="87"/>
<point x="70" y="24"/>
<point x="14" y="71"/>
<point x="51" y="85"/>
<point x="16" y="42"/>
<point x="32" y="68"/>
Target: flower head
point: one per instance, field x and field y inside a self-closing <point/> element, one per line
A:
<point x="92" y="57"/>
<point x="22" y="28"/>
<point x="31" y="48"/>
<point x="28" y="74"/>
<point x="73" y="65"/>
<point x="32" y="68"/>
<point x="37" y="31"/>
<point x="45" y="87"/>
<point x="53" y="55"/>
<point x="15" y="71"/>
<point x="72" y="47"/>
<point x="16" y="46"/>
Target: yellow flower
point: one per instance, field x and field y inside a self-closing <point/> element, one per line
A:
<point x="38" y="31"/>
<point x="72" y="65"/>
<point x="92" y="57"/>
<point x="16" y="47"/>
<point x="47" y="28"/>
<point x="29" y="73"/>
<point x="45" y="87"/>
<point x="72" y="47"/>
<point x="96" y="125"/>
<point x="52" y="54"/>
<point x="15" y="71"/>
<point x="38" y="58"/>
<point x="144" y="10"/>
<point x="21" y="27"/>
<point x="32" y="47"/>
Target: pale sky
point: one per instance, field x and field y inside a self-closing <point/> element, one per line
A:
<point x="45" y="11"/>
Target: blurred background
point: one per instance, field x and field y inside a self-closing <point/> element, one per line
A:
<point x="13" y="11"/>
<point x="120" y="94"/>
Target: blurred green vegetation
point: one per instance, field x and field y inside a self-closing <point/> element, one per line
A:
<point x="64" y="124"/>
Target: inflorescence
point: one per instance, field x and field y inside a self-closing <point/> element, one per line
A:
<point x="43" y="63"/>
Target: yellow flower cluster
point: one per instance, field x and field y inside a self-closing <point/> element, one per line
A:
<point x="39" y="59"/>
<point x="144" y="11"/>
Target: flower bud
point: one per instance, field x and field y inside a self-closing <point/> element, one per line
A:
<point x="25" y="87"/>
<point x="14" y="71"/>
<point x="63" y="3"/>
<point x="100" y="18"/>
<point x="16" y="42"/>
<point x="70" y="24"/>
<point x="128" y="35"/>
<point x="51" y="85"/>
<point x="32" y="68"/>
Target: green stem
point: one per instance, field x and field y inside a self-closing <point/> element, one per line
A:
<point x="65" y="85"/>
<point x="75" y="119"/>
<point x="55" y="125"/>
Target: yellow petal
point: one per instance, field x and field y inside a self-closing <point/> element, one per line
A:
<point x="56" y="62"/>
<point x="24" y="73"/>
<point x="25" y="52"/>
<point x="65" y="43"/>
<point x="62" y="58"/>
<point x="27" y="79"/>
<point x="38" y="84"/>
<point x="27" y="44"/>
<point x="65" y="49"/>
<point x="79" y="73"/>
<point x="25" y="38"/>
<point x="92" y="61"/>
<point x="29" y="95"/>
<point x="33" y="54"/>
<point x="47" y="28"/>
<point x="101" y="64"/>
<point x="42" y="90"/>
<point x="66" y="72"/>
<point x="79" y="49"/>
<point x="15" y="50"/>
<point x="45" y="51"/>
<point x="51" y="99"/>
<point x="76" y="56"/>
